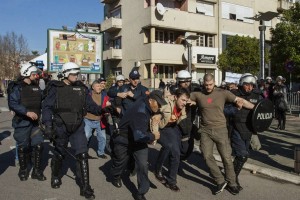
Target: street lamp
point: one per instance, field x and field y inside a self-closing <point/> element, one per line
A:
<point x="267" y="16"/>
<point x="188" y="41"/>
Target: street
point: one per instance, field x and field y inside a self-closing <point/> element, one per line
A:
<point x="193" y="179"/>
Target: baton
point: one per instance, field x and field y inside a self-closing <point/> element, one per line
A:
<point x="53" y="140"/>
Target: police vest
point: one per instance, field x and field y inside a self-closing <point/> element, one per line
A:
<point x="31" y="98"/>
<point x="242" y="119"/>
<point x="71" y="105"/>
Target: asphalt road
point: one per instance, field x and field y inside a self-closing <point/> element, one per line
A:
<point x="193" y="179"/>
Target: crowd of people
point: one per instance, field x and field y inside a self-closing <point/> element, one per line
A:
<point x="127" y="118"/>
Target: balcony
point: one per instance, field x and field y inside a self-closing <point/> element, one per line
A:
<point x="112" y="24"/>
<point x="164" y="53"/>
<point x="179" y="20"/>
<point x="112" y="54"/>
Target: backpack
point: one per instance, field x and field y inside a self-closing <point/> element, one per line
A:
<point x="9" y="89"/>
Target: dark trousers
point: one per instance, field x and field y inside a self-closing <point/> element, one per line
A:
<point x="240" y="147"/>
<point x="170" y="140"/>
<point x="27" y="133"/>
<point x="120" y="157"/>
<point x="77" y="140"/>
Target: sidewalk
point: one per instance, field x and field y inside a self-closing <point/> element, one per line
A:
<point x="276" y="157"/>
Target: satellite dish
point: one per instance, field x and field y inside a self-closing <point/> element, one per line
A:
<point x="160" y="9"/>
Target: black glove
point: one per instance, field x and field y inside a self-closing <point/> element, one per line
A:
<point x="49" y="133"/>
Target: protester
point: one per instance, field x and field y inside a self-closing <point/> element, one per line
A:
<point x="24" y="99"/>
<point x="280" y="99"/>
<point x="213" y="130"/>
<point x="171" y="129"/>
<point x="97" y="122"/>
<point x="132" y="137"/>
<point x="64" y="108"/>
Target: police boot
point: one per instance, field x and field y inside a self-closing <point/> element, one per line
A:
<point x="37" y="172"/>
<point x="56" y="165"/>
<point x="23" y="172"/>
<point x="238" y="164"/>
<point x="83" y="175"/>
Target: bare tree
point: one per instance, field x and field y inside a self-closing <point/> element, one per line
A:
<point x="13" y="50"/>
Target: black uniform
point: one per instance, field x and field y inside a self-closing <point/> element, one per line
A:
<point x="25" y="98"/>
<point x="132" y="138"/>
<point x="63" y="110"/>
<point x="242" y="129"/>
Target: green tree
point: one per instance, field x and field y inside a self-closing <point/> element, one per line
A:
<point x="241" y="55"/>
<point x="285" y="41"/>
<point x="110" y="80"/>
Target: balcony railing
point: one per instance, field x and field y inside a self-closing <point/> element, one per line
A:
<point x="111" y="24"/>
<point x="112" y="54"/>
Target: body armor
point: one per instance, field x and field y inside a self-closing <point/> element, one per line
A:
<point x="31" y="98"/>
<point x="243" y="118"/>
<point x="70" y="106"/>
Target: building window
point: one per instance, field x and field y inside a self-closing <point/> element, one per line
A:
<point x="237" y="12"/>
<point x="232" y="16"/>
<point x="116" y="13"/>
<point x="165" y="71"/>
<point x="159" y="36"/>
<point x="204" y="8"/>
<point x="117" y="44"/>
<point x="205" y="40"/>
<point x="164" y="36"/>
<point x="210" y="41"/>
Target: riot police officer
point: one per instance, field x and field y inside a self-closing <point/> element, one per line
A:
<point x="130" y="92"/>
<point x="242" y="129"/>
<point x="25" y="101"/>
<point x="131" y="139"/>
<point x="64" y="108"/>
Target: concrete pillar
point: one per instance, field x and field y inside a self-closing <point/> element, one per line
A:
<point x="152" y="35"/>
<point x="152" y="3"/>
<point x="153" y="81"/>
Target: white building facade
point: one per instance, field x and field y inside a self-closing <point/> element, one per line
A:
<point x="152" y="34"/>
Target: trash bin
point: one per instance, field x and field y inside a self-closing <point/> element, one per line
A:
<point x="297" y="159"/>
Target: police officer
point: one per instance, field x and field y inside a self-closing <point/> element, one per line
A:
<point x="183" y="80"/>
<point x="25" y="101"/>
<point x="64" y="108"/>
<point x="130" y="92"/>
<point x="115" y="94"/>
<point x="241" y="124"/>
<point x="132" y="138"/>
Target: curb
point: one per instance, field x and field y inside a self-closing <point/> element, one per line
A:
<point x="295" y="179"/>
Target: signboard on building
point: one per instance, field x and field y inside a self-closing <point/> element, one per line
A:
<point x="82" y="48"/>
<point x="207" y="59"/>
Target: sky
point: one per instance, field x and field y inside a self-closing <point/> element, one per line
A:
<point x="32" y="18"/>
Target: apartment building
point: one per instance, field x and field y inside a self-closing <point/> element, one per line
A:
<point x="154" y="35"/>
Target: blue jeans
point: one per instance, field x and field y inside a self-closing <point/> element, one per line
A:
<point x="101" y="135"/>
